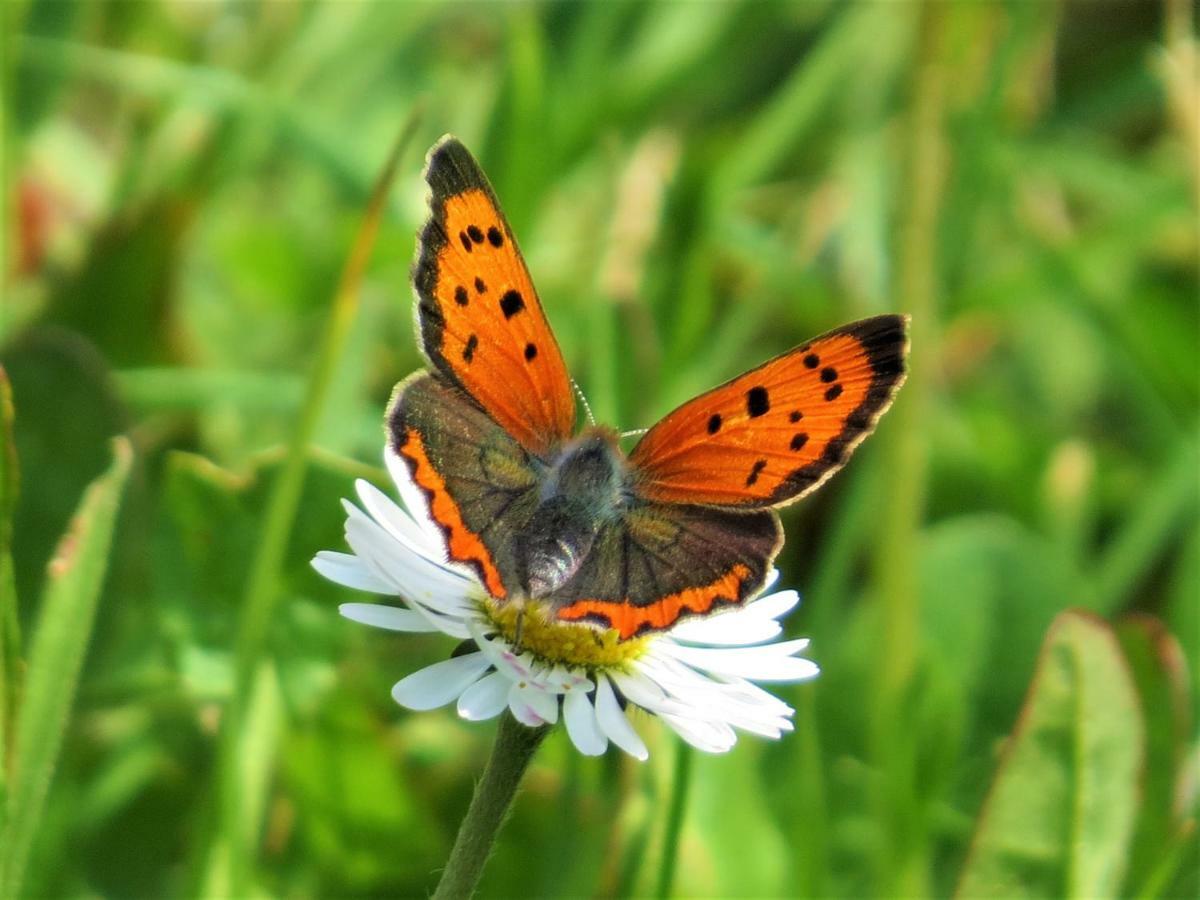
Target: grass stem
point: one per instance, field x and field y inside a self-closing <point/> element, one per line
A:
<point x="680" y="786"/>
<point x="228" y="864"/>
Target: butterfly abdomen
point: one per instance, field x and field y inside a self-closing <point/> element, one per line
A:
<point x="582" y="491"/>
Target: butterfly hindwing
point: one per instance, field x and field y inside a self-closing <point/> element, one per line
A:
<point x="658" y="563"/>
<point x="481" y="484"/>
<point x="481" y="323"/>
<point x="777" y="432"/>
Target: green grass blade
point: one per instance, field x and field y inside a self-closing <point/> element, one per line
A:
<point x="76" y="575"/>
<point x="242" y="762"/>
<point x="681" y="782"/>
<point x="10" y="636"/>
<point x="1171" y="500"/>
<point x="902" y="865"/>
<point x="1061" y="811"/>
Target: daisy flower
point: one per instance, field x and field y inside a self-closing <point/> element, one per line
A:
<point x="698" y="677"/>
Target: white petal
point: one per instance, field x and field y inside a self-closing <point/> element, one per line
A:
<point x="359" y="524"/>
<point x="639" y="689"/>
<point x="519" y="667"/>
<point x="397" y="521"/>
<point x="750" y="693"/>
<point x="523" y="712"/>
<point x="753" y="623"/>
<point x="392" y="618"/>
<point x="771" y="662"/>
<point x="413" y="497"/>
<point x="582" y="728"/>
<point x="349" y="571"/>
<point x="773" y="606"/>
<point x="772" y="577"/>
<point x="565" y="681"/>
<point x="401" y="526"/>
<point x="727" y="628"/>
<point x="695" y="696"/>
<point x="533" y="707"/>
<point x="440" y="683"/>
<point x="615" y="724"/>
<point x="412" y="576"/>
<point x="485" y="699"/>
<point x="707" y="736"/>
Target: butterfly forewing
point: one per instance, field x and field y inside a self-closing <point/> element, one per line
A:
<point x="482" y="325"/>
<point x="777" y="432"/>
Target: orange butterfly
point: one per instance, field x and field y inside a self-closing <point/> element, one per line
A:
<point x="684" y="525"/>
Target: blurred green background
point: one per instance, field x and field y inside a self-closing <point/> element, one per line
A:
<point x="696" y="186"/>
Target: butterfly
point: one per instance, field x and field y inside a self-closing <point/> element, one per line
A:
<point x="686" y="523"/>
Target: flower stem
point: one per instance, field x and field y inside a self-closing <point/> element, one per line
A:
<point x="514" y="748"/>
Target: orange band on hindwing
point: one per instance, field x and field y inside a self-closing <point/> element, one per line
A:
<point x="630" y="620"/>
<point x="462" y="544"/>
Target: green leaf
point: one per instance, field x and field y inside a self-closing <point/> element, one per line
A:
<point x="1160" y="673"/>
<point x="1061" y="811"/>
<point x="74" y="579"/>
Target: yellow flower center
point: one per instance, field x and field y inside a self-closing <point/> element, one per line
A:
<point x="556" y="642"/>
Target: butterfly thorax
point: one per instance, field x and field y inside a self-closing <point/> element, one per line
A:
<point x="583" y="489"/>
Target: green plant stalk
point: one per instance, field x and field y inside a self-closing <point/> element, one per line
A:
<point x="1152" y="525"/>
<point x="793" y="112"/>
<point x="230" y="849"/>
<point x="1171" y="858"/>
<point x="10" y="629"/>
<point x="902" y="497"/>
<point x="681" y="783"/>
<point x="811" y="831"/>
<point x="68" y="609"/>
<point x="511" y="753"/>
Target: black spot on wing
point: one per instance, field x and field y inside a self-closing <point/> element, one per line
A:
<point x="884" y="339"/>
<point x="530" y="352"/>
<point x="758" y="401"/>
<point x="714" y="423"/>
<point x="460" y="296"/>
<point x="755" y="470"/>
<point x="469" y="349"/>
<point x="495" y="238"/>
<point x="511" y="303"/>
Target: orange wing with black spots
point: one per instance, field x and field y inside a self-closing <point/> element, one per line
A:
<point x="481" y="323"/>
<point x="777" y="432"/>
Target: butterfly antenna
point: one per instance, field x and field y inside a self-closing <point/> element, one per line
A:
<point x="634" y="433"/>
<point x="586" y="406"/>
